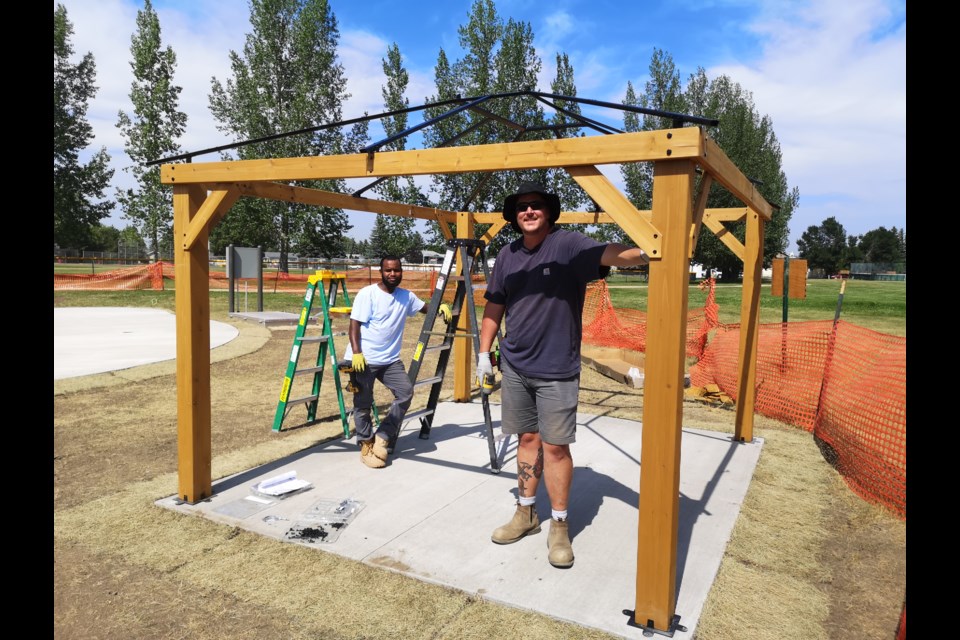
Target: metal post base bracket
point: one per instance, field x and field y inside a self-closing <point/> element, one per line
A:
<point x="649" y="629"/>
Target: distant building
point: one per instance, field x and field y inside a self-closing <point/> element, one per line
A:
<point x="431" y="257"/>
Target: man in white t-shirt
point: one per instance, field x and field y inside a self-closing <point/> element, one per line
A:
<point x="377" y="319"/>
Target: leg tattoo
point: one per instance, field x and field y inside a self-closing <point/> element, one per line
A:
<point x="526" y="471"/>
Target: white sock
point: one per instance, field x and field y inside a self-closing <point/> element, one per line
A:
<point x="526" y="501"/>
<point x="558" y="515"/>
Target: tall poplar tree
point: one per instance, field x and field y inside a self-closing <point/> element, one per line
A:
<point x="151" y="133"/>
<point x="499" y="57"/>
<point x="78" y="188"/>
<point x="288" y="78"/>
<point x="662" y="92"/>
<point x="395" y="235"/>
<point x="572" y="196"/>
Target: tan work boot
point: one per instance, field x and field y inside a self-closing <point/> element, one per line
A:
<point x="380" y="448"/>
<point x="368" y="457"/>
<point x="558" y="542"/>
<point x="525" y="522"/>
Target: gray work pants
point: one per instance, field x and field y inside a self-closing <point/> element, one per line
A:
<point x="394" y="377"/>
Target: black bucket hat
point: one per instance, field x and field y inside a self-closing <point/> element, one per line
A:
<point x="510" y="204"/>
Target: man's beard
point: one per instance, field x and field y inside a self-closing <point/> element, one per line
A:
<point x="390" y="286"/>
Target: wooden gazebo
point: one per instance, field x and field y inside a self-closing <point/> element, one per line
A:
<point x="205" y="191"/>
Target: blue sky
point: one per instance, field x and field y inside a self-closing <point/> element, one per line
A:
<point x="830" y="75"/>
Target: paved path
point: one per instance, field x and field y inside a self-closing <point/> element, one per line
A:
<point x="88" y="340"/>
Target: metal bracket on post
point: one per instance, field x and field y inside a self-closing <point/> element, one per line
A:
<point x="649" y="629"/>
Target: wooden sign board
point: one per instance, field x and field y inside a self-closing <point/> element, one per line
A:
<point x="798" y="279"/>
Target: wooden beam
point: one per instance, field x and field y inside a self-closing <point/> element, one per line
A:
<point x="723" y="234"/>
<point x="319" y="197"/>
<point x="698" y="209"/>
<point x="734" y="214"/>
<point x="686" y="142"/>
<point x="716" y="162"/>
<point x="216" y="205"/>
<point x="192" y="269"/>
<point x="616" y="205"/>
<point x="492" y="231"/>
<point x="667" y="302"/>
<point x="749" y="328"/>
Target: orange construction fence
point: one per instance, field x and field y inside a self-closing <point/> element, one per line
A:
<point x="845" y="384"/>
<point x="151" y="277"/>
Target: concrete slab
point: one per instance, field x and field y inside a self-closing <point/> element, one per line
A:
<point x="90" y="340"/>
<point x="430" y="513"/>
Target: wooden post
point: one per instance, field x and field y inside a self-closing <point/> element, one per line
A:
<point x="192" y="269"/>
<point x="749" y="327"/>
<point x="463" y="360"/>
<point x="673" y="183"/>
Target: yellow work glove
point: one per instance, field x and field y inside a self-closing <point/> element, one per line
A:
<point x="445" y="312"/>
<point x="484" y="366"/>
<point x="359" y="362"/>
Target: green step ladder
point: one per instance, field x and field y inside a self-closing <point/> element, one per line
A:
<point x="335" y="282"/>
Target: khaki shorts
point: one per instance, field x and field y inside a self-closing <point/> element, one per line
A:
<point x="537" y="405"/>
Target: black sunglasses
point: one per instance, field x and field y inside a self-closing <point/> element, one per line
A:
<point x="536" y="205"/>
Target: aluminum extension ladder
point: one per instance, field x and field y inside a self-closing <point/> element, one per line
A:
<point x="335" y="282"/>
<point x="469" y="252"/>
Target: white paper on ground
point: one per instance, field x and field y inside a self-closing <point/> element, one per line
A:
<point x="281" y="484"/>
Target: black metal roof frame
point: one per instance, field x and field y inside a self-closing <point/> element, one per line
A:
<point x="475" y="104"/>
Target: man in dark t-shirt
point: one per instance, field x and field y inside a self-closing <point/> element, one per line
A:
<point x="537" y="290"/>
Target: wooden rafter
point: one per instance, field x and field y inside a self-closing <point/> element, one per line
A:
<point x="715" y="222"/>
<point x="508" y="156"/>
<point x="640" y="229"/>
<point x="216" y="205"/>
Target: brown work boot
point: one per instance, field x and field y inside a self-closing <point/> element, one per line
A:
<point x="525" y="522"/>
<point x="558" y="541"/>
<point x="380" y="447"/>
<point x="368" y="457"/>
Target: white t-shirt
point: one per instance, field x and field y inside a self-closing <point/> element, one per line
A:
<point x="382" y="317"/>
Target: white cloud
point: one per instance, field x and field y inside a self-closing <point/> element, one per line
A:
<point x="836" y="93"/>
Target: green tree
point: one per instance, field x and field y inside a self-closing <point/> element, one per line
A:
<point x="151" y="133"/>
<point x="881" y="245"/>
<point x="854" y="254"/>
<point x="749" y="141"/>
<point x="78" y="188"/>
<point x="500" y="57"/>
<point x="662" y="92"/>
<point x="824" y="246"/>
<point x="104" y="238"/>
<point x="287" y="79"/>
<point x="572" y="196"/>
<point x="396" y="235"/>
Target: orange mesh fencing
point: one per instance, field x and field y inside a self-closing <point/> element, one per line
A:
<point x="790" y="366"/>
<point x="151" y="278"/>
<point x="141" y="277"/>
<point x="843" y="383"/>
<point x="606" y="326"/>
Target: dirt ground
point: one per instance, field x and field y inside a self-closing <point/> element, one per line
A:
<point x="115" y="445"/>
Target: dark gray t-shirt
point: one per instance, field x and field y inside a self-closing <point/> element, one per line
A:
<point x="543" y="291"/>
